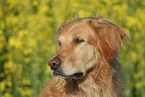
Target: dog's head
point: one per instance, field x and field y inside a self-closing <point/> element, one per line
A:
<point x="82" y="42"/>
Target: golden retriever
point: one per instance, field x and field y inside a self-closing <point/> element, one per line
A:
<point x="86" y="63"/>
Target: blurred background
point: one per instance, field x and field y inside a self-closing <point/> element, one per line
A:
<point x="28" y="40"/>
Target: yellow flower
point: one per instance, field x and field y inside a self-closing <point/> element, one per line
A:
<point x="53" y="49"/>
<point x="47" y="70"/>
<point x="14" y="42"/>
<point x="26" y="82"/>
<point x="27" y="92"/>
<point x="134" y="55"/>
<point x="139" y="85"/>
<point x="9" y="83"/>
<point x="28" y="51"/>
<point x="139" y="74"/>
<point x="0" y="13"/>
<point x="83" y="13"/>
<point x="7" y="95"/>
<point x="32" y="42"/>
<point x="131" y="21"/>
<point x="2" y="25"/>
<point x="2" y="85"/>
<point x="35" y="3"/>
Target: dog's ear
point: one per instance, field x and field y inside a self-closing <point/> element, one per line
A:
<point x="109" y="36"/>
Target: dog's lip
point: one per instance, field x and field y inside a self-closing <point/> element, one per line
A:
<point x="55" y="73"/>
<point x="78" y="75"/>
<point x="75" y="76"/>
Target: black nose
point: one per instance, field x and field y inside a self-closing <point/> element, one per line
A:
<point x="54" y="63"/>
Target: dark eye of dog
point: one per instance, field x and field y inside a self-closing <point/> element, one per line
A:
<point x="78" y="40"/>
<point x="59" y="43"/>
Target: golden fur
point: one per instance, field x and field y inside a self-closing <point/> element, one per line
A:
<point x="93" y="55"/>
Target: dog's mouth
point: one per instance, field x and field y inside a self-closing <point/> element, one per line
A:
<point x="55" y="73"/>
<point x="76" y="75"/>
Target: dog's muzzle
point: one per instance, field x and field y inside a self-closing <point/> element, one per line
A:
<point x="55" y="63"/>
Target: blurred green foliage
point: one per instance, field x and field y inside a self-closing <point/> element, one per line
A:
<point x="28" y="40"/>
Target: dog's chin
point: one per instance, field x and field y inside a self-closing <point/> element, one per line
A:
<point x="74" y="76"/>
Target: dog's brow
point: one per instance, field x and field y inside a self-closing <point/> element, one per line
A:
<point x="59" y="38"/>
<point x="74" y="26"/>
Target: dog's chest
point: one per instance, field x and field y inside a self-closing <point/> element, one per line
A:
<point x="90" y="88"/>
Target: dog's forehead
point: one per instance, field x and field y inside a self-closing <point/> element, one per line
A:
<point x="77" y="28"/>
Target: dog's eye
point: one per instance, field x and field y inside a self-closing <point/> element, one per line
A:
<point x="78" y="40"/>
<point x="59" y="43"/>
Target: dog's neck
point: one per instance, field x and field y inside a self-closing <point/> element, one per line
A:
<point x="99" y="82"/>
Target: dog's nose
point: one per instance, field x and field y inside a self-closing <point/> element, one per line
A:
<point x="54" y="63"/>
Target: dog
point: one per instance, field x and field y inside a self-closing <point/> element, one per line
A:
<point x="86" y="63"/>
